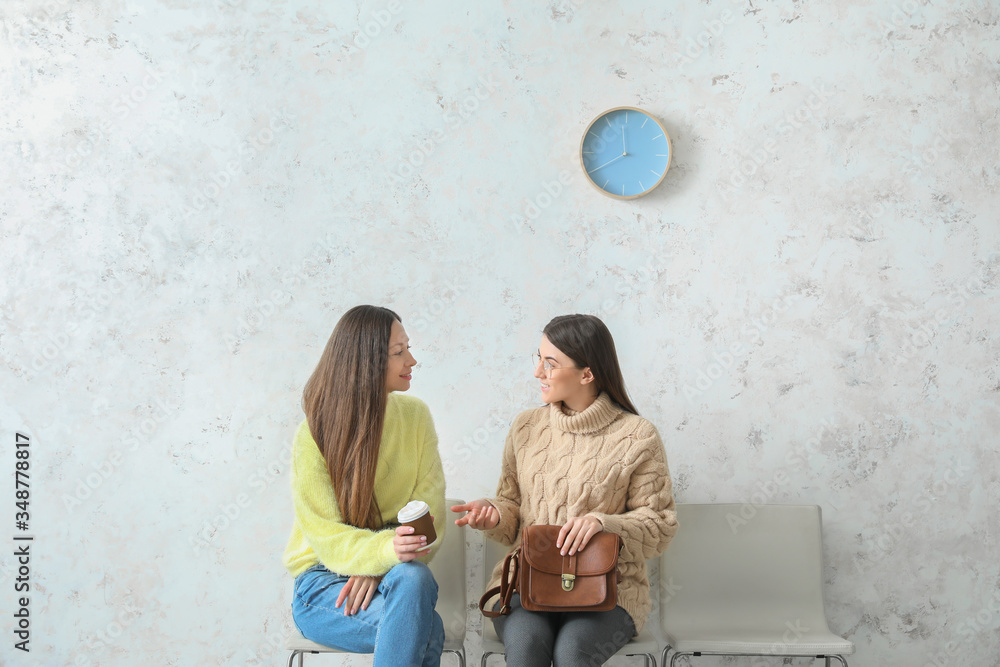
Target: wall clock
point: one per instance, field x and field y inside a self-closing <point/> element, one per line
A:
<point x="625" y="152"/>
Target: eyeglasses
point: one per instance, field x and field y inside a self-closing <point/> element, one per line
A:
<point x="547" y="365"/>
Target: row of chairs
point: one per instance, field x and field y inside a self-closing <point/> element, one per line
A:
<point x="737" y="580"/>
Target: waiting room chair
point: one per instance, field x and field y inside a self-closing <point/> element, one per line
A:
<point x="644" y="645"/>
<point x="746" y="580"/>
<point x="448" y="567"/>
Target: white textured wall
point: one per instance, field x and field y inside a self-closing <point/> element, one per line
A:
<point x="194" y="192"/>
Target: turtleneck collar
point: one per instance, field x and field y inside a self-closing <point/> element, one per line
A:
<point x="599" y="414"/>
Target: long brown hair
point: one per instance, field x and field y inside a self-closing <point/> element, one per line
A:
<point x="345" y="401"/>
<point x="586" y="340"/>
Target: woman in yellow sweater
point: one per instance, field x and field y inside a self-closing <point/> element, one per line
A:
<point x="362" y="453"/>
<point x="589" y="463"/>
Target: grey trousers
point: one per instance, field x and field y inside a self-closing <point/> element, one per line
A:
<point x="562" y="639"/>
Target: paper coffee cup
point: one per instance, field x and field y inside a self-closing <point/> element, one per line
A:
<point x="417" y="514"/>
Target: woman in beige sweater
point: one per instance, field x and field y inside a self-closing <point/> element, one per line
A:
<point x="589" y="463"/>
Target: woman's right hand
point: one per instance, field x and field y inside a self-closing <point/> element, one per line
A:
<point x="357" y="593"/>
<point x="481" y="514"/>
<point x="409" y="546"/>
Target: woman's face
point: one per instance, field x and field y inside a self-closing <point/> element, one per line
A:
<point x="401" y="362"/>
<point x="564" y="382"/>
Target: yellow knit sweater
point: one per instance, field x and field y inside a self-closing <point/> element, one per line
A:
<point x="610" y="464"/>
<point x="409" y="468"/>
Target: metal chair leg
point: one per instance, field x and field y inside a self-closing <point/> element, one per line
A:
<point x="486" y="656"/>
<point x="458" y="654"/>
<point x="674" y="657"/>
<point x="827" y="659"/>
<point x="648" y="659"/>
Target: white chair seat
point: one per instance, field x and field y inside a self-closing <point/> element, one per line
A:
<point x="643" y="644"/>
<point x="746" y="585"/>
<point x="704" y="637"/>
<point x="454" y="644"/>
<point x="297" y="642"/>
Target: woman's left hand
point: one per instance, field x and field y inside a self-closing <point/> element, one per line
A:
<point x="357" y="592"/>
<point x="577" y="532"/>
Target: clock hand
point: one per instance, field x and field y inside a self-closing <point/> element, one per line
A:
<point x="624" y="150"/>
<point x="607" y="163"/>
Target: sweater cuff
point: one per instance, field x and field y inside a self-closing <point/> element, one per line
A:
<point x="505" y="532"/>
<point x="387" y="555"/>
<point x="608" y="522"/>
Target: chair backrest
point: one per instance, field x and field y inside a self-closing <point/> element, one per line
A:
<point x="494" y="553"/>
<point x="448" y="566"/>
<point x="734" y="563"/>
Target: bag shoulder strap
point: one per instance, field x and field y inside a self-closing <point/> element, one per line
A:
<point x="505" y="589"/>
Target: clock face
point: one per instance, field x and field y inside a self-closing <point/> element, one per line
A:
<point x="625" y="152"/>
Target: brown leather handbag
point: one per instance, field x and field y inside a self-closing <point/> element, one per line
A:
<point x="548" y="581"/>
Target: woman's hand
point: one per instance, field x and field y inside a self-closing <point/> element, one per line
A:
<point x="577" y="532"/>
<point x="409" y="546"/>
<point x="481" y="515"/>
<point x="358" y="592"/>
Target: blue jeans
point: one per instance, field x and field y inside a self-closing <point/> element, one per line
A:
<point x="400" y="625"/>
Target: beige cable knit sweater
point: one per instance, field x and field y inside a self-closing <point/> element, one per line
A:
<point x="605" y="462"/>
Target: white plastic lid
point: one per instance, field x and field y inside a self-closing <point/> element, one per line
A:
<point x="413" y="510"/>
